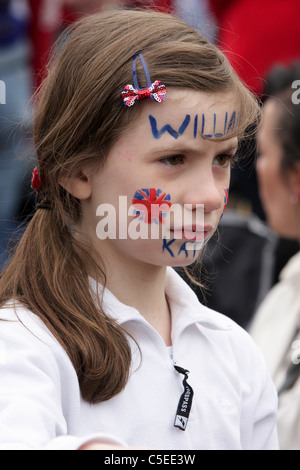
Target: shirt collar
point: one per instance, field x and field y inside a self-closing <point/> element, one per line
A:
<point x="184" y="305"/>
<point x="292" y="268"/>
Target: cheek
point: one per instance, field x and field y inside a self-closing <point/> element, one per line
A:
<point x="275" y="196"/>
<point x="225" y="195"/>
<point x="151" y="205"/>
<point x="268" y="180"/>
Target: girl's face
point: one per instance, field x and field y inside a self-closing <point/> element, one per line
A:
<point x="275" y="189"/>
<point x="160" y="167"/>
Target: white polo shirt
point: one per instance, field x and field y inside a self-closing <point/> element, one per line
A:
<point x="234" y="402"/>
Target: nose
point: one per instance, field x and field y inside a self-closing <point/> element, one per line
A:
<point x="203" y="189"/>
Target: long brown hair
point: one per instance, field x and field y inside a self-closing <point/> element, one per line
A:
<point x="78" y="117"/>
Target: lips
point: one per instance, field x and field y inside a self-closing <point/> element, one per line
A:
<point x="191" y="232"/>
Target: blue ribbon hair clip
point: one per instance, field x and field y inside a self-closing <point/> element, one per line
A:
<point x="133" y="93"/>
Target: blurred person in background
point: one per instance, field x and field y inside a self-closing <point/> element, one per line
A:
<point x="276" y="326"/>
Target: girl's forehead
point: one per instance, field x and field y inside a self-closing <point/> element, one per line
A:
<point x="195" y="98"/>
<point x="181" y="102"/>
<point x="190" y="113"/>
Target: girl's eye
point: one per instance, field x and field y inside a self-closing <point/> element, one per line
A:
<point x="224" y="160"/>
<point x="173" y="160"/>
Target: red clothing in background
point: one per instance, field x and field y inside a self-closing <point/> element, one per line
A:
<point x="48" y="18"/>
<point x="257" y="34"/>
<point x="159" y="5"/>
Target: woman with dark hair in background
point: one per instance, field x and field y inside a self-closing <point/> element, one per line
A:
<point x="276" y="326"/>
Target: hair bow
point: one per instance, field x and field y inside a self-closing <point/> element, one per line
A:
<point x="157" y="92"/>
<point x="36" y="181"/>
<point x="133" y="93"/>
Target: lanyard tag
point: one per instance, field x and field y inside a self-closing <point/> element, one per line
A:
<point x="185" y="402"/>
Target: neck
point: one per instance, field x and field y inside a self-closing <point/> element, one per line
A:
<point x="136" y="284"/>
<point x="142" y="286"/>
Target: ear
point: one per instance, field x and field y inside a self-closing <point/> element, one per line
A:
<point x="79" y="186"/>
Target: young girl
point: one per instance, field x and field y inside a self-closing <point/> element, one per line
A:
<point x="102" y="343"/>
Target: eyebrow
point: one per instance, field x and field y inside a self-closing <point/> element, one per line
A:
<point x="231" y="148"/>
<point x="183" y="150"/>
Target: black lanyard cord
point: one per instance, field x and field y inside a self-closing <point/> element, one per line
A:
<point x="185" y="401"/>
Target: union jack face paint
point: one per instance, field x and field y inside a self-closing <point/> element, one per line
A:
<point x="226" y="197"/>
<point x="151" y="205"/>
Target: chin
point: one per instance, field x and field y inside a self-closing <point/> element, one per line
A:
<point x="180" y="262"/>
